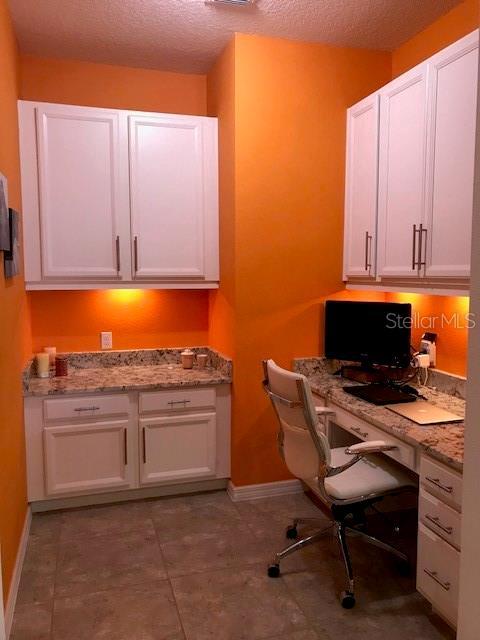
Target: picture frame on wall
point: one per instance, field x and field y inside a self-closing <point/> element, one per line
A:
<point x="4" y="215"/>
<point x="11" y="259"/>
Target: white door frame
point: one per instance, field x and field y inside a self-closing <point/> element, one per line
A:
<point x="468" y="625"/>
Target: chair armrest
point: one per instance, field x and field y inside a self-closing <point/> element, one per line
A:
<point x="374" y="446"/>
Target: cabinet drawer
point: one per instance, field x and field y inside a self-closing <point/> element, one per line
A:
<point x="403" y="453"/>
<point x="441" y="482"/>
<point x="86" y="407"/>
<point x="177" y="400"/>
<point x="438" y="572"/>
<point x="440" y="518"/>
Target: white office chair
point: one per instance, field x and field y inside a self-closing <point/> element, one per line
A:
<point x="347" y="481"/>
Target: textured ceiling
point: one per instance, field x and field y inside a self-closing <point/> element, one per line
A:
<point x="187" y="35"/>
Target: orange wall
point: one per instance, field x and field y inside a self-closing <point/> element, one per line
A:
<point x="72" y="320"/>
<point x="103" y="85"/>
<point x="14" y="333"/>
<point x="289" y="139"/>
<point x="445" y="316"/>
<point x="140" y="318"/>
<point x="221" y="103"/>
<point x="455" y="24"/>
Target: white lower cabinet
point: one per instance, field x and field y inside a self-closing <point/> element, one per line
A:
<point x="439" y="527"/>
<point x="177" y="447"/>
<point x="83" y="457"/>
<point x="437" y="573"/>
<point x="101" y="443"/>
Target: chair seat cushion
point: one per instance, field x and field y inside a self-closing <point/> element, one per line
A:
<point x="371" y="474"/>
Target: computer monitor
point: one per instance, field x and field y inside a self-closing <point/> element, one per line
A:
<point x="372" y="333"/>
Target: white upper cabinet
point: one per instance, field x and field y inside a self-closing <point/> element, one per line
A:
<point x="453" y="114"/>
<point x="361" y="188"/>
<point x="171" y="177"/>
<point x="112" y="197"/>
<point x="79" y="192"/>
<point x="426" y="142"/>
<point x="401" y="193"/>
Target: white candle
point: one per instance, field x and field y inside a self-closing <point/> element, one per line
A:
<point x="43" y="365"/>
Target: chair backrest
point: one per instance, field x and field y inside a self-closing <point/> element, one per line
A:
<point x="305" y="448"/>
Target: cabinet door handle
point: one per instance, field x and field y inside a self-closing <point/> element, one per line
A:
<point x="87" y="409"/>
<point x="434" y="576"/>
<point x="125" y="453"/>
<point x="436" y="521"/>
<point x="117" y="247"/>
<point x="144" y="446"/>
<point x="421" y="262"/>
<point x="135" y="253"/>
<point x="437" y="483"/>
<point x="368" y="239"/>
<point x="414" y="247"/>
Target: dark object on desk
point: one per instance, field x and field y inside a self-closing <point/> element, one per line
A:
<point x="374" y="374"/>
<point x="380" y="395"/>
<point x="371" y="333"/>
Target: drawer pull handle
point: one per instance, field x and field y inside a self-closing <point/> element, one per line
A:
<point x="173" y="402"/>
<point x="363" y="434"/>
<point x="437" y="483"/>
<point x="436" y="522"/>
<point x="434" y="576"/>
<point x="87" y="409"/>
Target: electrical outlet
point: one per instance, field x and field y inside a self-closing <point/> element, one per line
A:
<point x="106" y="340"/>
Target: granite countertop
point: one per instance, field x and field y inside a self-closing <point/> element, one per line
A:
<point x="147" y="369"/>
<point x="445" y="442"/>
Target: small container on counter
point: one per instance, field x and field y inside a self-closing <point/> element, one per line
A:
<point x="61" y="366"/>
<point x="202" y="360"/>
<point x="187" y="358"/>
<point x="52" y="354"/>
<point x="43" y="365"/>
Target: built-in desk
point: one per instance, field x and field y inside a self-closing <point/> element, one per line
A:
<point x="433" y="452"/>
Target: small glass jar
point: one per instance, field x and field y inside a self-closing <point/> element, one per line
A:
<point x="61" y="366"/>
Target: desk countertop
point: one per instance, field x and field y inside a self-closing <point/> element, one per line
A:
<point x="445" y="442"/>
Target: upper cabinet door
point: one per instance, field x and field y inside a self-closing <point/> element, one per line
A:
<point x="79" y="192"/>
<point x="361" y="189"/>
<point x="453" y="104"/>
<point x="167" y="191"/>
<point x="401" y="206"/>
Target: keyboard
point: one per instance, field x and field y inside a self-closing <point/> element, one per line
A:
<point x="379" y="394"/>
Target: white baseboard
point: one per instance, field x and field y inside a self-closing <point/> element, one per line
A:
<point x="17" y="573"/>
<point x="266" y="490"/>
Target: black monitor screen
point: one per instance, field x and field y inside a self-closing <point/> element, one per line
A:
<point x="368" y="332"/>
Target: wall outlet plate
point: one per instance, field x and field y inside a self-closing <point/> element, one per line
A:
<point x="106" y="341"/>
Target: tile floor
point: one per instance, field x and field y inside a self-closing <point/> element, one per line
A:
<point x="194" y="568"/>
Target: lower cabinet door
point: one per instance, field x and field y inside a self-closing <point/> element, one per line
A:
<point x="85" y="457"/>
<point x="438" y="573"/>
<point x="177" y="447"/>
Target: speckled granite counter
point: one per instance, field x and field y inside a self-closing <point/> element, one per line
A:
<point x="146" y="369"/>
<point x="444" y="442"/>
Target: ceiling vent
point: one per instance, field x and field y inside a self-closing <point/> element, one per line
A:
<point x="244" y="3"/>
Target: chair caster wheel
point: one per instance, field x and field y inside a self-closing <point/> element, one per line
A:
<point x="274" y="571"/>
<point x="292" y="533"/>
<point x="347" y="599"/>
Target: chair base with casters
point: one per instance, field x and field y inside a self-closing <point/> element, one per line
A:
<point x="345" y="522"/>
<point x="346" y="481"/>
